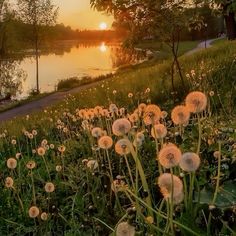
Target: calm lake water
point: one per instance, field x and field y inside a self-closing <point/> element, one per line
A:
<point x="72" y="59"/>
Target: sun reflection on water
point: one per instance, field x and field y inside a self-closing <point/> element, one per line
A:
<point x="103" y="47"/>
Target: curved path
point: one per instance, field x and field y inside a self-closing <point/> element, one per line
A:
<point x="49" y="100"/>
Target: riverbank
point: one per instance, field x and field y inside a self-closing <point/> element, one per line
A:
<point x="40" y="103"/>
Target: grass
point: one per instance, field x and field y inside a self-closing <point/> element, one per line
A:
<point x="84" y="202"/>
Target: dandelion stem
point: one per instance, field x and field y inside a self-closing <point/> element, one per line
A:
<point x="216" y="189"/>
<point x="129" y="170"/>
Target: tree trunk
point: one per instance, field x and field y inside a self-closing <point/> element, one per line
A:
<point x="37" y="64"/>
<point x="230" y="25"/>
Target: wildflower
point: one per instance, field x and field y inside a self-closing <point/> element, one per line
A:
<point x="61" y="148"/>
<point x="49" y="187"/>
<point x="159" y="131"/>
<point x="180" y="115"/>
<point x="52" y="146"/>
<point x="34" y="132"/>
<point x="130" y="95"/>
<point x="122" y="147"/>
<point x="105" y="112"/>
<point x="30" y="136"/>
<point x="118" y="185"/>
<point x="140" y="136"/>
<point x="58" y="168"/>
<point x="169" y="156"/>
<point x="142" y="107"/>
<point x="41" y="151"/>
<point x="216" y="154"/>
<point x="121" y="127"/>
<point x="164" y="114"/>
<point x="178" y="198"/>
<point x="9" y="182"/>
<point x="211" y="93"/>
<point x="18" y="155"/>
<point x="147" y="90"/>
<point x="114" y="92"/>
<point x="196" y="102"/>
<point x="152" y="114"/>
<point x="33" y="212"/>
<point x="125" y="229"/>
<point x="113" y="108"/>
<point x="31" y="165"/>
<point x="11" y="163"/>
<point x="133" y="117"/>
<point x="166" y="185"/>
<point x="98" y="110"/>
<point x="44" y="216"/>
<point x="189" y="162"/>
<point x="92" y="164"/>
<point x="149" y="220"/>
<point x="13" y="142"/>
<point x="44" y="142"/>
<point x="97" y="132"/>
<point x="105" y="142"/>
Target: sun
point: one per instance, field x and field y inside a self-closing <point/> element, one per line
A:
<point x="103" y="26"/>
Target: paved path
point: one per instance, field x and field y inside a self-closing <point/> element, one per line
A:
<point x="42" y="103"/>
<point x="202" y="45"/>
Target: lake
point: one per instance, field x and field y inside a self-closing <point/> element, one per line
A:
<point x="73" y="59"/>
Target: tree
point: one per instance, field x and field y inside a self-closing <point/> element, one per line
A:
<point x="228" y="9"/>
<point x="37" y="13"/>
<point x="147" y="19"/>
<point x="11" y="78"/>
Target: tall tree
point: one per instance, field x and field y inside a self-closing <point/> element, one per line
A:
<point x="228" y="9"/>
<point x="37" y="13"/>
<point x="147" y="18"/>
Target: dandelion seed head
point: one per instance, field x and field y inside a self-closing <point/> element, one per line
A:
<point x="196" y="102"/>
<point x="96" y="132"/>
<point x="49" y="187"/>
<point x="121" y="127"/>
<point x="33" y="212"/>
<point x="41" y="151"/>
<point x="122" y="147"/>
<point x="159" y="131"/>
<point x="180" y="115"/>
<point x="165" y="184"/>
<point x="125" y="229"/>
<point x="31" y="165"/>
<point x="105" y="142"/>
<point x="9" y="182"/>
<point x="169" y="156"/>
<point x="189" y="162"/>
<point x="152" y="114"/>
<point x="11" y="163"/>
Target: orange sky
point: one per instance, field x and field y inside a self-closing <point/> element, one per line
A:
<point x="78" y="14"/>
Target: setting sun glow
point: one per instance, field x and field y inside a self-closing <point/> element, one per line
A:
<point x="103" y="26"/>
